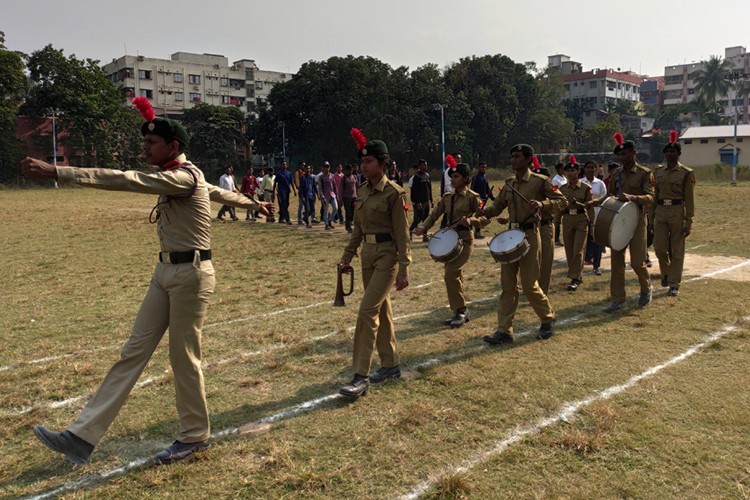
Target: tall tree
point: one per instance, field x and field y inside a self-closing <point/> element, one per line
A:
<point x="12" y="89"/>
<point x="215" y="136"/>
<point x="714" y="80"/>
<point x="550" y="128"/>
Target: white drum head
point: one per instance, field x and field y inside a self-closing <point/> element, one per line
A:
<point x="507" y="241"/>
<point x="623" y="226"/>
<point x="442" y="242"/>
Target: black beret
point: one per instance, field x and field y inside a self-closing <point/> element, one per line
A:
<point x="672" y="145"/>
<point x="375" y="148"/>
<point x="523" y="148"/>
<point x="170" y="130"/>
<point x="624" y="146"/>
<point x="463" y="169"/>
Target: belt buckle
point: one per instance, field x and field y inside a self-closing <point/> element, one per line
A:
<point x="164" y="258"/>
<point x="573" y="211"/>
<point x="667" y="202"/>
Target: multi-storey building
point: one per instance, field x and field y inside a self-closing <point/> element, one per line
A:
<point x="187" y="79"/>
<point x="679" y="83"/>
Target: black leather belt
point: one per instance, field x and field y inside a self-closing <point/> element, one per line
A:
<point x="669" y="202"/>
<point x="545" y="222"/>
<point x="183" y="257"/>
<point x="527" y="226"/>
<point x="379" y="237"/>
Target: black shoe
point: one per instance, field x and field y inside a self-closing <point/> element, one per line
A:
<point x="546" y="330"/>
<point x="478" y="236"/>
<point x="648" y="263"/>
<point x="357" y="387"/>
<point x="673" y="291"/>
<point x="384" y="373"/>
<point x="559" y="244"/>
<point x="180" y="451"/>
<point x="573" y="286"/>
<point x="75" y="449"/>
<point x="460" y="318"/>
<point x="664" y="280"/>
<point x="499" y="338"/>
<point x="645" y="298"/>
<point x="615" y="306"/>
<point x="597" y="271"/>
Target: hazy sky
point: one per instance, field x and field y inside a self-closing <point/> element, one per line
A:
<point x="640" y="35"/>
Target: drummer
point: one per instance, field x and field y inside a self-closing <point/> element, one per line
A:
<point x="525" y="194"/>
<point x="459" y="208"/>
<point x="575" y="222"/>
<point x="634" y="183"/>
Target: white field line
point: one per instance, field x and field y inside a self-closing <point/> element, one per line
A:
<point x="565" y="412"/>
<point x="513" y="436"/>
<point x="247" y="354"/>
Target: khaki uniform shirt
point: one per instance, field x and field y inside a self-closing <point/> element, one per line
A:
<point x="533" y="187"/>
<point x="576" y="195"/>
<point x="381" y="209"/>
<point x="637" y="181"/>
<point x="464" y="202"/>
<point x="675" y="184"/>
<point x="185" y="221"/>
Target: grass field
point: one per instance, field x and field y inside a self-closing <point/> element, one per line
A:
<point x="561" y="418"/>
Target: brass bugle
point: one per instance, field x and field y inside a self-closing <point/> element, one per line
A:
<point x="339" y="300"/>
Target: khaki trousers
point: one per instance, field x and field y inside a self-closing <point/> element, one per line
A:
<point x="454" y="278"/>
<point x="177" y="299"/>
<point x="528" y="266"/>
<point x="547" y="255"/>
<point x="668" y="223"/>
<point x="575" y="229"/>
<point x="637" y="248"/>
<point x="375" y="317"/>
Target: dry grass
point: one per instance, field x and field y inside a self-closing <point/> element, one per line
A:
<point x="78" y="263"/>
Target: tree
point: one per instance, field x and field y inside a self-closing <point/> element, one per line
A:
<point x="714" y="80"/>
<point x="215" y="136"/>
<point x="88" y="105"/>
<point x="599" y="137"/>
<point x="12" y="88"/>
<point x="550" y="127"/>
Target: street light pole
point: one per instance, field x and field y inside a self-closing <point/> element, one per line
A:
<point x="54" y="143"/>
<point x="441" y="107"/>
<point x="283" y="140"/>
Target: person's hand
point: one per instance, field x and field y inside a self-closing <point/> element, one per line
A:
<point x="650" y="228"/>
<point x="38" y="169"/>
<point x="266" y="208"/>
<point x="685" y="232"/>
<point x="345" y="266"/>
<point x="589" y="204"/>
<point x="535" y="206"/>
<point x="402" y="282"/>
<point x="503" y="220"/>
<point x="465" y="221"/>
<point x="419" y="231"/>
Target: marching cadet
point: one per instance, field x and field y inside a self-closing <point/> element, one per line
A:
<point x="381" y="227"/>
<point x="525" y="194"/>
<point x="546" y="235"/>
<point x="177" y="297"/>
<point x="672" y="214"/>
<point x="634" y="183"/>
<point x="575" y="222"/>
<point x="459" y="206"/>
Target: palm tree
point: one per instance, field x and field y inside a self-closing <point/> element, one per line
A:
<point x="714" y="79"/>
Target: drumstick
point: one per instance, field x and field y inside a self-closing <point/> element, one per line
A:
<point x="447" y="227"/>
<point x="517" y="192"/>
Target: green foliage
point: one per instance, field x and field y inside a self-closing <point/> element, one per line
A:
<point x="12" y="88"/>
<point x="215" y="135"/>
<point x="714" y="79"/>
<point x="599" y="136"/>
<point x="89" y="106"/>
<point x="550" y="127"/>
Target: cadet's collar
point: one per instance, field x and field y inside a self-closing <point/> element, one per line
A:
<point x="526" y="176"/>
<point x="381" y="185"/>
<point x="462" y="191"/>
<point x="174" y="163"/>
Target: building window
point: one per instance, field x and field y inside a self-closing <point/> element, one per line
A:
<point x="147" y="93"/>
<point x="178" y="77"/>
<point x="258" y="85"/>
<point x="144" y="75"/>
<point x="592" y="84"/>
<point x="739" y="139"/>
<point x="567" y="87"/>
<point x="225" y="82"/>
<point x="720" y="140"/>
<point x="178" y="96"/>
<point x="195" y="97"/>
<point x="688" y="141"/>
<point x="194" y="79"/>
<point x="704" y="141"/>
<point x="225" y="99"/>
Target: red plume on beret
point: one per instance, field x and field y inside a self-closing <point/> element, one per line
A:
<point x="450" y="161"/>
<point x="535" y="161"/>
<point x="619" y="139"/>
<point x="359" y="138"/>
<point x="572" y="160"/>
<point x="673" y="136"/>
<point x="144" y="106"/>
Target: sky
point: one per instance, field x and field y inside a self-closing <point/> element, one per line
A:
<point x="638" y="35"/>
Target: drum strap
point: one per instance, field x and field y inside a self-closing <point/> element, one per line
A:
<point x="453" y="204"/>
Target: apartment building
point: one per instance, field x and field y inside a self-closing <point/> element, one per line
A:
<point x="596" y="90"/>
<point x="679" y="83"/>
<point x="186" y="79"/>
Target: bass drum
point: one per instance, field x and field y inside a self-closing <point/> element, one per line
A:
<point x="445" y="245"/>
<point x="509" y="246"/>
<point x="615" y="223"/>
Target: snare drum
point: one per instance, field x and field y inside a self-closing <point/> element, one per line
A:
<point x="615" y="223"/>
<point x="509" y="246"/>
<point x="445" y="245"/>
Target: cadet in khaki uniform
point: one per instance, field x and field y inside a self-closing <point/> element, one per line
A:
<point x="546" y="235"/>
<point x="575" y="222"/>
<point x="630" y="182"/>
<point x="524" y="215"/>
<point x="459" y="207"/>
<point x="381" y="227"/>
<point x="672" y="214"/>
<point x="177" y="298"/>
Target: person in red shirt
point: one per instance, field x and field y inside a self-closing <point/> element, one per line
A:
<point x="249" y="185"/>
